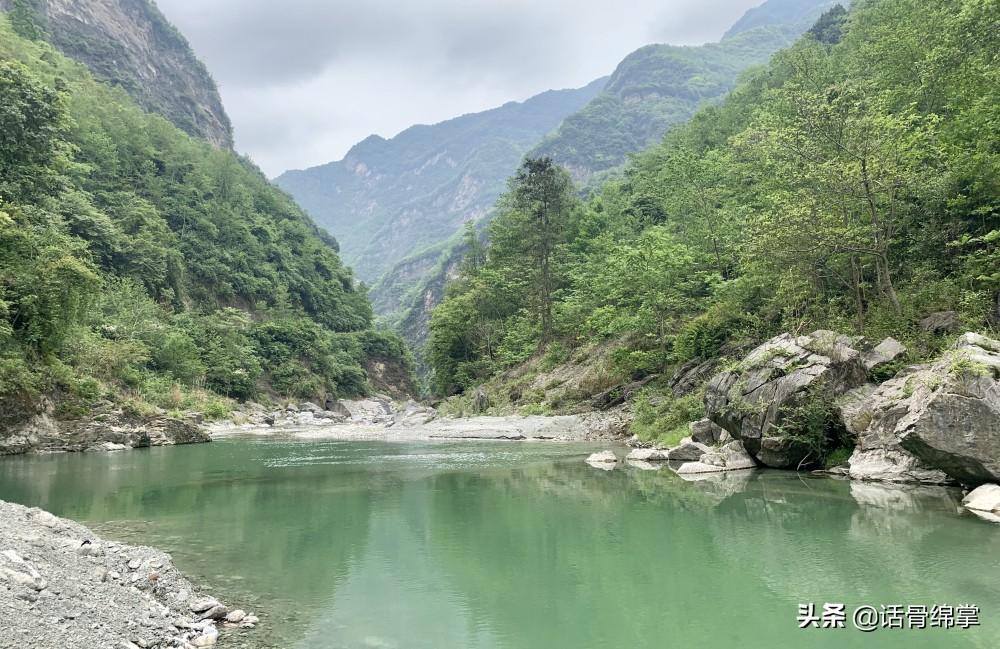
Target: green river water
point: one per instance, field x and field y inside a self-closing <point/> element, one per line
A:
<point x="485" y="545"/>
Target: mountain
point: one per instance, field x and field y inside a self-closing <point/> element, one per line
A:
<point x="660" y="86"/>
<point x="129" y="44"/>
<point x="653" y="89"/>
<point x="388" y="199"/>
<point x="795" y="14"/>
<point x="146" y="271"/>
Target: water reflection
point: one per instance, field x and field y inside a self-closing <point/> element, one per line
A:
<point x="524" y="546"/>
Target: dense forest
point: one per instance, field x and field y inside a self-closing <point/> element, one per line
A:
<point x="853" y="184"/>
<point x="141" y="265"/>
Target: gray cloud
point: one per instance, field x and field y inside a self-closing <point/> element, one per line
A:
<point x="303" y="80"/>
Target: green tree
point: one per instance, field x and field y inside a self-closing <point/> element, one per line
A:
<point x="527" y="235"/>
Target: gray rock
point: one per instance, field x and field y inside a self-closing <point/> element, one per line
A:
<point x="938" y="417"/>
<point x="217" y="612"/>
<point x="236" y="616"/>
<point x="602" y="457"/>
<point x="643" y="465"/>
<point x="705" y="431"/>
<point x="648" y="454"/>
<point x="889" y="462"/>
<point x="208" y="638"/>
<point x="619" y="394"/>
<point x="203" y="604"/>
<point x="729" y="457"/>
<point x="690" y="376"/>
<point x="942" y="322"/>
<point x="886" y="352"/>
<point x="753" y="400"/>
<point x="480" y="401"/>
<point x="688" y="452"/>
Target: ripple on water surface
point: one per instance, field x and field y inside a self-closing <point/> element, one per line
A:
<point x="500" y="545"/>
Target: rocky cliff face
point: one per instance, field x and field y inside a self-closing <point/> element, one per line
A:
<point x="128" y="43"/>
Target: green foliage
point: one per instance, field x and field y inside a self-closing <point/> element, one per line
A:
<point x="663" y="419"/>
<point x="851" y="185"/>
<point x="813" y="425"/>
<point x="137" y="259"/>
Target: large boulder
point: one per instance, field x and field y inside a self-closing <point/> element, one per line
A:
<point x="753" y="400"/>
<point x="878" y="455"/>
<point x="939" y="417"/>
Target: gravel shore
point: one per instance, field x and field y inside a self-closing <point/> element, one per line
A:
<point x="63" y="587"/>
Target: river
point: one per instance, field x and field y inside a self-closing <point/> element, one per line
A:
<point x="505" y="545"/>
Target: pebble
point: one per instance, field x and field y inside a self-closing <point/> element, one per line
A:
<point x="236" y="616"/>
<point x="83" y="599"/>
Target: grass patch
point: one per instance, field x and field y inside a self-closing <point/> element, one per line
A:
<point x="664" y="419"/>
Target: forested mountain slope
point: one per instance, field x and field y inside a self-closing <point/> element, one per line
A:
<point x="660" y="86"/>
<point x="129" y="44"/>
<point x="388" y="199"/>
<point x="139" y="264"/>
<point x="656" y="87"/>
<point x="853" y="185"/>
<point x="794" y="14"/>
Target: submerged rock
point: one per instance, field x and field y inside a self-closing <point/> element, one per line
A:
<point x="934" y="421"/>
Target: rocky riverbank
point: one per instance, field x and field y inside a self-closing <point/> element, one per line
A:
<point x="793" y="400"/>
<point x="382" y="418"/>
<point x="108" y="427"/>
<point x="62" y="586"/>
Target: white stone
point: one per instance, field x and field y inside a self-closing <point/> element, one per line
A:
<point x="648" y="454"/>
<point x="985" y="498"/>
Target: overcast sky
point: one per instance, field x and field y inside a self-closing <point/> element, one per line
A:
<point x="303" y="80"/>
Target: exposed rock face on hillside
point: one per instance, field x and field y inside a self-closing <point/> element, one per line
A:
<point x="128" y="43"/>
<point x="936" y="420"/>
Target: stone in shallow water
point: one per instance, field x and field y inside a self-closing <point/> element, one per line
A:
<point x="648" y="454"/>
<point x="203" y="604"/>
<point x="602" y="457"/>
<point x="236" y="616"/>
<point x="729" y="457"/>
<point x="754" y="399"/>
<point x="643" y="465"/>
<point x="985" y="498"/>
<point x="688" y="452"/>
